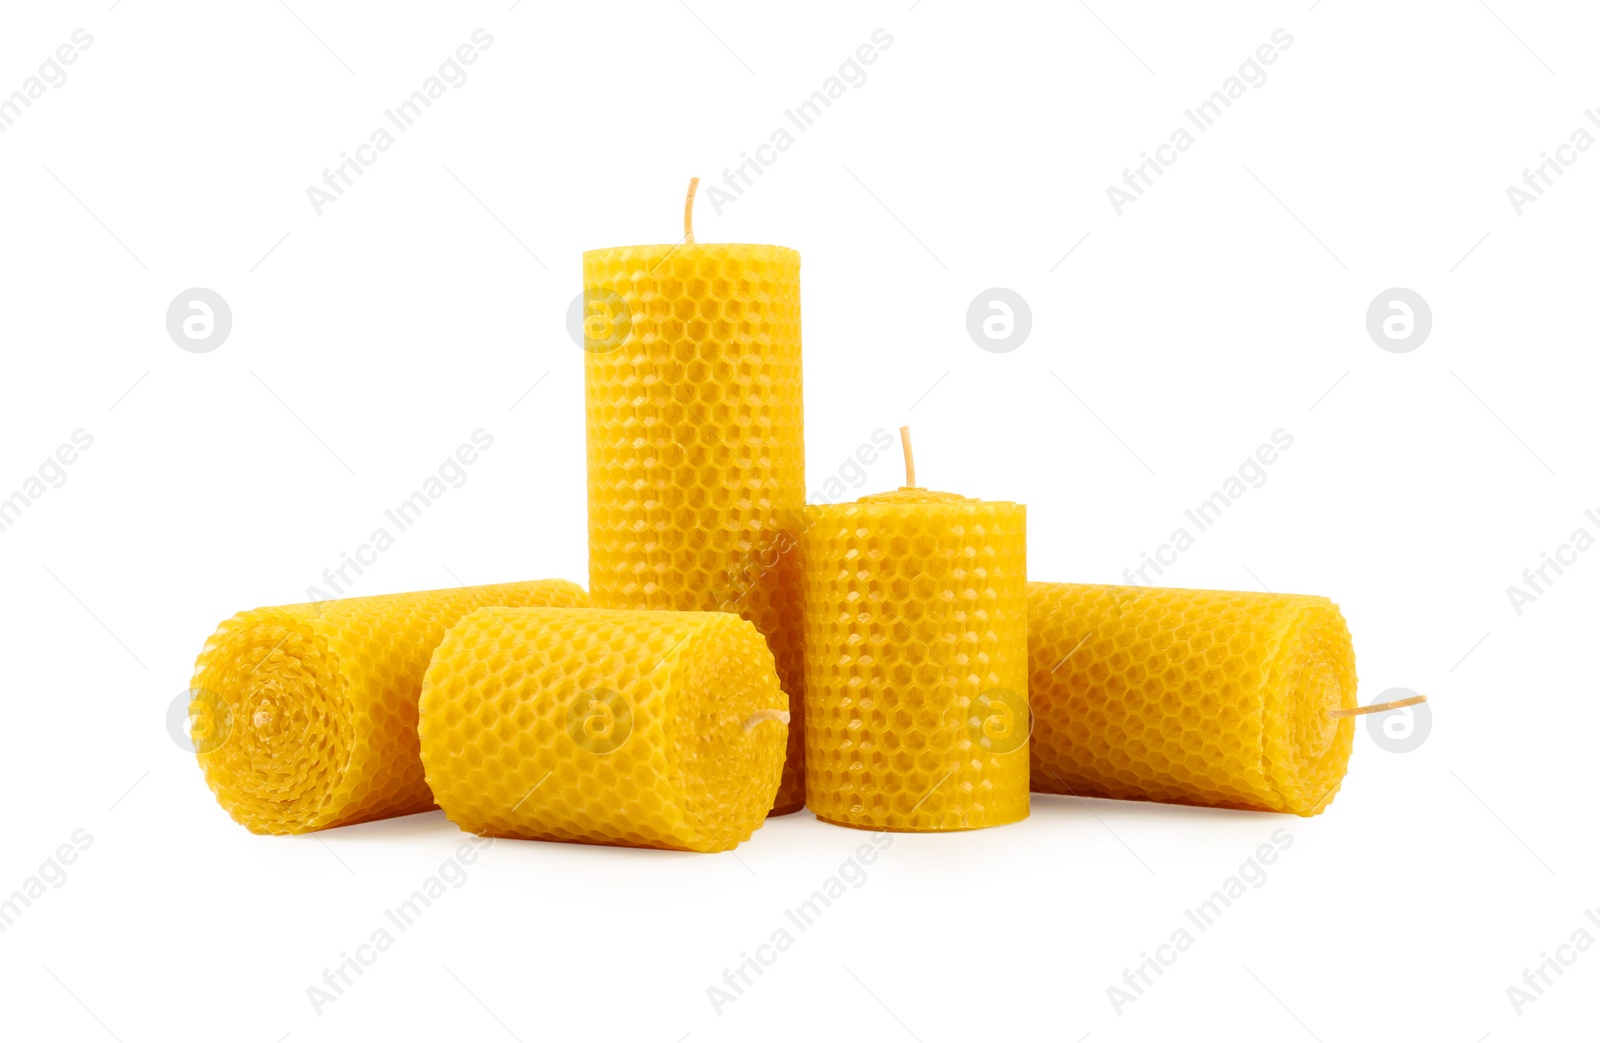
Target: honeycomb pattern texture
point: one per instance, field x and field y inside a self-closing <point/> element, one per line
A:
<point x="1190" y="696"/>
<point x="601" y="726"/>
<point x="322" y="700"/>
<point x="915" y="616"/>
<point x="696" y="442"/>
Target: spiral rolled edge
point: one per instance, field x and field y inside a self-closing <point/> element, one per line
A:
<point x="290" y="729"/>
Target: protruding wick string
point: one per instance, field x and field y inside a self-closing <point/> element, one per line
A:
<point x="766" y="715"/>
<point x="1379" y="707"/>
<point x="911" y="465"/>
<point x="688" y="212"/>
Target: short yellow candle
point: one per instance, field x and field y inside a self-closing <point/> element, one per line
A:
<point x="313" y="708"/>
<point x="696" y="440"/>
<point x="1219" y="698"/>
<point x="646" y="729"/>
<point x="916" y="661"/>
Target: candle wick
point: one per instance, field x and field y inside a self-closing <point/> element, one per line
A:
<point x="766" y="715"/>
<point x="911" y="465"/>
<point x="262" y="718"/>
<point x="688" y="212"/>
<point x="1379" y="707"/>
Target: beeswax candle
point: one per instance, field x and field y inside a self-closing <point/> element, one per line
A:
<point x="696" y="441"/>
<point x="1190" y="696"/>
<point x="916" y="661"/>
<point x="647" y="729"/>
<point x="322" y="703"/>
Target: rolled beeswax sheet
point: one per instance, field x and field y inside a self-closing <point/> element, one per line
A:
<point x="696" y="442"/>
<point x="1190" y="696"/>
<point x="644" y="729"/>
<point x="916" y="662"/>
<point x="321" y="703"/>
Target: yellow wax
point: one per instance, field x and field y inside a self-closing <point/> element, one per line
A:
<point x="696" y="441"/>
<point x="1203" y="697"/>
<point x="317" y="704"/>
<point x="646" y="729"/>
<point x="916" y="662"/>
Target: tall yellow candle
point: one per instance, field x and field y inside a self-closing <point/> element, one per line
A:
<point x="645" y="729"/>
<point x="312" y="709"/>
<point x="916" y="661"/>
<point x="1219" y="698"/>
<point x="696" y="441"/>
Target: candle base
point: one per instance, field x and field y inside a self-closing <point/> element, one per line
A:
<point x="873" y="827"/>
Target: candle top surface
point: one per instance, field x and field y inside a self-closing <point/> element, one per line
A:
<point x="912" y="496"/>
<point x="692" y="249"/>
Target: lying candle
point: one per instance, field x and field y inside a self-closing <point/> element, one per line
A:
<point x="916" y="661"/>
<point x="696" y="440"/>
<point x="322" y="700"/>
<point x="1226" y="699"/>
<point x="646" y="729"/>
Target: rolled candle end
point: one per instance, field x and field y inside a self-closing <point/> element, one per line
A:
<point x="766" y="715"/>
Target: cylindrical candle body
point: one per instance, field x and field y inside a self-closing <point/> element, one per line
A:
<point x="1189" y="696"/>
<point x="312" y="709"/>
<point x="647" y="729"/>
<point x="916" y="662"/>
<point x="696" y="441"/>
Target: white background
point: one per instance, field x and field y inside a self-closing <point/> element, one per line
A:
<point x="1170" y="341"/>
